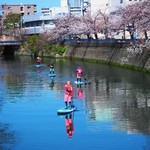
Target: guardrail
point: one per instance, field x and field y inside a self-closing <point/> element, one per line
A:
<point x="98" y="40"/>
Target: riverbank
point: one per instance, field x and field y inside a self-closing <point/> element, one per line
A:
<point x="119" y="53"/>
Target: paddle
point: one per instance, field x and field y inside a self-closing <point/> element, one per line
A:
<point x="44" y="69"/>
<point x="84" y="78"/>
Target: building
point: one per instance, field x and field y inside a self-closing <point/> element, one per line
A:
<point x="57" y="11"/>
<point x="64" y="3"/>
<point x="46" y="12"/>
<point x="113" y="4"/>
<point x="36" y="24"/>
<point x="74" y="7"/>
<point x="23" y="9"/>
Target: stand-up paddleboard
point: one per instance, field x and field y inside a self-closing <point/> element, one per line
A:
<point x="40" y="65"/>
<point x="78" y="82"/>
<point x="66" y="110"/>
<point x="52" y="75"/>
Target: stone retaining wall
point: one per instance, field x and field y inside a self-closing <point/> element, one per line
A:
<point x="118" y="53"/>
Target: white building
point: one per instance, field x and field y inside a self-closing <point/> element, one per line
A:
<point x="46" y="12"/>
<point x="64" y="3"/>
<point x="59" y="11"/>
<point x="55" y="11"/>
<point x="109" y="5"/>
<point x="97" y="5"/>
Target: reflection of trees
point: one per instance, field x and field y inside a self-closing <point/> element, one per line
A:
<point x="135" y="111"/>
<point x="6" y="135"/>
<point x="2" y="94"/>
<point x="120" y="95"/>
<point x="137" y="119"/>
<point x="14" y="83"/>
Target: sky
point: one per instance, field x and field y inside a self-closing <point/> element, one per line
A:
<point x="40" y="3"/>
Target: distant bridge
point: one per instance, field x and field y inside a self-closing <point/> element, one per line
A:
<point x="10" y="43"/>
<point x="9" y="46"/>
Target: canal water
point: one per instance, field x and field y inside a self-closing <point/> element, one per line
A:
<point x="113" y="107"/>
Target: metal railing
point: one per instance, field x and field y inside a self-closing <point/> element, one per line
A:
<point x="9" y="42"/>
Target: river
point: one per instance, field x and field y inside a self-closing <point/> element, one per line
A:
<point x="113" y="108"/>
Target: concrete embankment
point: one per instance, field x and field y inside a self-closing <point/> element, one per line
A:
<point x="118" y="52"/>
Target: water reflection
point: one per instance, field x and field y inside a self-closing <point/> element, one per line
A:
<point x="7" y="137"/>
<point x="120" y="99"/>
<point x="52" y="82"/>
<point x="39" y="69"/>
<point x="69" y="125"/>
<point x="80" y="93"/>
<point x="116" y="98"/>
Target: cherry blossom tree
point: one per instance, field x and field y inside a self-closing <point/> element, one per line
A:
<point x="133" y="17"/>
<point x="96" y="23"/>
<point x="65" y="26"/>
<point x="81" y="25"/>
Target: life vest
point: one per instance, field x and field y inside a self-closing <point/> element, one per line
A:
<point x="79" y="72"/>
<point x="68" y="90"/>
<point x="38" y="59"/>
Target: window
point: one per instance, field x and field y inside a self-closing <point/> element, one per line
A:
<point x="9" y="8"/>
<point x="21" y="8"/>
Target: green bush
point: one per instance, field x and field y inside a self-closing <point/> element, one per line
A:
<point x="59" y="49"/>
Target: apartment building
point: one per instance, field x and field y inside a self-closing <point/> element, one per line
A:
<point x="46" y="12"/>
<point x="23" y="9"/>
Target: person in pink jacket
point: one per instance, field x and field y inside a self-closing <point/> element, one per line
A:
<point x="68" y="94"/>
<point x="79" y="74"/>
<point x="38" y="60"/>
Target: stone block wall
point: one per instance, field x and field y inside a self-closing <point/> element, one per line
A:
<point x="119" y="53"/>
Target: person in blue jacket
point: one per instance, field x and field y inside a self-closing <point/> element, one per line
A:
<point x="51" y="70"/>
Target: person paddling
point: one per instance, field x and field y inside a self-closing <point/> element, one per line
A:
<point x="51" y="70"/>
<point x="68" y="94"/>
<point x="38" y="60"/>
<point x="79" y="73"/>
